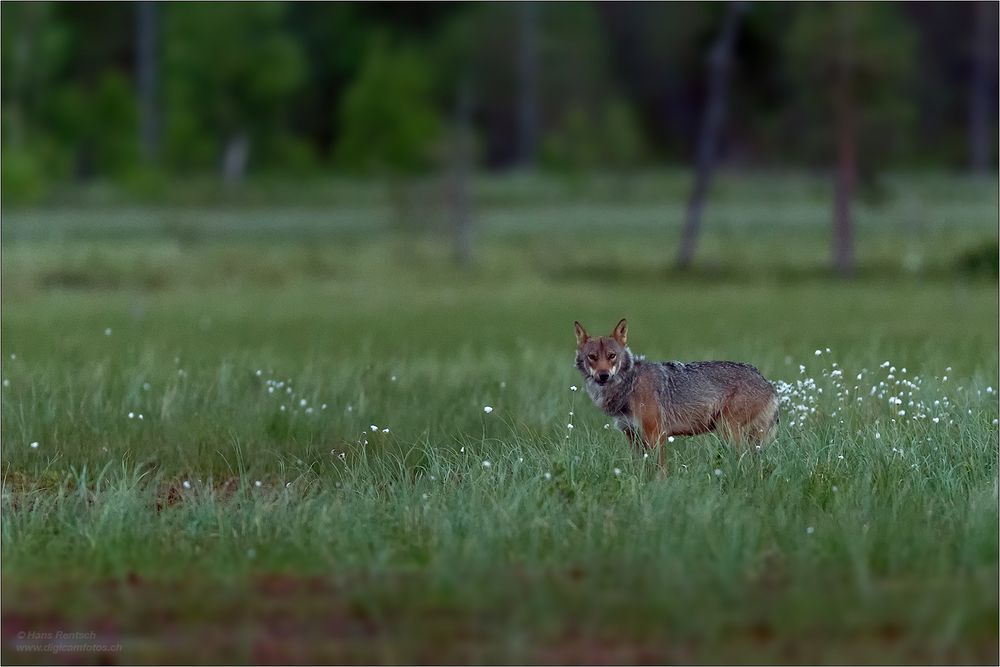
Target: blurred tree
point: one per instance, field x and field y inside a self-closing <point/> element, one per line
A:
<point x="231" y="71"/>
<point x="34" y="46"/>
<point x="461" y="158"/>
<point x="852" y="65"/>
<point x="527" y="69"/>
<point x="389" y="122"/>
<point x="147" y="29"/>
<point x="593" y="138"/>
<point x="718" y="65"/>
<point x="984" y="50"/>
<point x="100" y="121"/>
<point x="388" y="119"/>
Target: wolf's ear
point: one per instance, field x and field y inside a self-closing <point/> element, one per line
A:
<point x="620" y="333"/>
<point x="581" y="334"/>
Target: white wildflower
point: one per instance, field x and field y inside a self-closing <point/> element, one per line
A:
<point x="34" y="445"/>
<point x="487" y="409"/>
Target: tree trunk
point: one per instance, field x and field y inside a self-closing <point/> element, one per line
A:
<point x="460" y="176"/>
<point x="234" y="159"/>
<point x="718" y="68"/>
<point x="846" y="170"/>
<point x="527" y="112"/>
<point x="146" y="69"/>
<point x="979" y="90"/>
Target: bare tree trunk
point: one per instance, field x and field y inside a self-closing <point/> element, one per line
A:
<point x="846" y="170"/>
<point x="234" y="159"/>
<point x="146" y="49"/>
<point x="460" y="176"/>
<point x="718" y="68"/>
<point x="527" y="112"/>
<point x="979" y="95"/>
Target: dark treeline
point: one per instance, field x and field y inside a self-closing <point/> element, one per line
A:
<point x="111" y="90"/>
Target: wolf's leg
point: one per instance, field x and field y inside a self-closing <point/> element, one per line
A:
<point x="634" y="439"/>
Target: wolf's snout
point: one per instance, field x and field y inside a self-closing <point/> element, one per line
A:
<point x="603" y="377"/>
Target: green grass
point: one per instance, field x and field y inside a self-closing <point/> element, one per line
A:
<point x="408" y="547"/>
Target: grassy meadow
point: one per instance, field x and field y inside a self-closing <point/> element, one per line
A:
<point x="276" y="430"/>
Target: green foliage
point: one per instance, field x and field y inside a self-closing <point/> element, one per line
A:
<point x="876" y="49"/>
<point x="230" y="69"/>
<point x="101" y="121"/>
<point x="387" y="132"/>
<point x="605" y="138"/>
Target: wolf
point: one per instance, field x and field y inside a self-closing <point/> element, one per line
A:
<point x="651" y="401"/>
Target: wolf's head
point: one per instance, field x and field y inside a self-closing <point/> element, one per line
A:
<point x="601" y="358"/>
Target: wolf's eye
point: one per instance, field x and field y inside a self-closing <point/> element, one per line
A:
<point x="592" y="357"/>
<point x="611" y="356"/>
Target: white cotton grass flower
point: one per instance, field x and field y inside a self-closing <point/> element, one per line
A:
<point x="569" y="426"/>
<point x="572" y="387"/>
<point x="373" y="428"/>
<point x="487" y="464"/>
<point x="186" y="484"/>
<point x="810" y="530"/>
<point x="547" y="475"/>
<point x="670" y="438"/>
<point x="258" y="483"/>
<point x="385" y="430"/>
<point x="131" y="415"/>
<point x="107" y="332"/>
<point x="34" y="445"/>
<point x="718" y="472"/>
<point x="6" y="382"/>
<point x="819" y="352"/>
<point x="618" y="471"/>
<point x="487" y="409"/>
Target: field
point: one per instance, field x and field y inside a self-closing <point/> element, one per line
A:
<point x="257" y="432"/>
